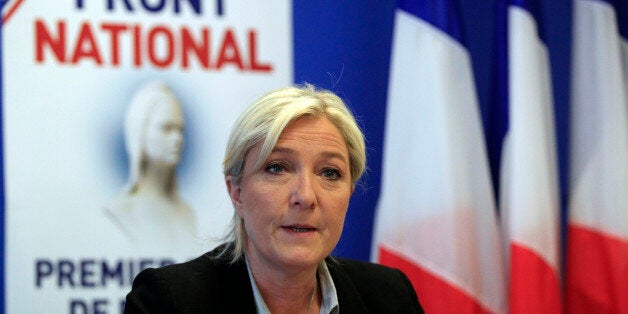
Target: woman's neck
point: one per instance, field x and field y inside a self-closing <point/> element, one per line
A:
<point x="287" y="292"/>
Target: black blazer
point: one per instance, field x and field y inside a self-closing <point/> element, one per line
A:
<point x="210" y="284"/>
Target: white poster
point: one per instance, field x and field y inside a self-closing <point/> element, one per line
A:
<point x="115" y="119"/>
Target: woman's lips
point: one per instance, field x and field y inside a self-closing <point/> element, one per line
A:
<point x="299" y="228"/>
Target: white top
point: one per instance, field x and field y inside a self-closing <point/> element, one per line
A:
<point x="330" y="297"/>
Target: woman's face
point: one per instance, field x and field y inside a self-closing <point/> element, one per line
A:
<point x="295" y="205"/>
<point x="164" y="133"/>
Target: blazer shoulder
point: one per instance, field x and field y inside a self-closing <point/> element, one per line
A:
<point x="209" y="283"/>
<point x="187" y="272"/>
<point x="362" y="269"/>
<point x="383" y="289"/>
<point x="366" y="272"/>
<point x="176" y="288"/>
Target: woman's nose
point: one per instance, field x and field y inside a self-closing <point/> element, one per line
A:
<point x="303" y="195"/>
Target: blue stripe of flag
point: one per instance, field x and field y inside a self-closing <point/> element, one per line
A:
<point x="443" y="14"/>
<point x="621" y="7"/>
<point x="534" y="7"/>
<point x="498" y="118"/>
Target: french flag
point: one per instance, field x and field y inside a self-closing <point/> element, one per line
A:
<point x="436" y="217"/>
<point x="523" y="154"/>
<point x="597" y="240"/>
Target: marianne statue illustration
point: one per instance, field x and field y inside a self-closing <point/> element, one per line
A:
<point x="150" y="211"/>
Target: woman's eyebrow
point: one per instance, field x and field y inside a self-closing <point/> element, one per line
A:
<point x="326" y="154"/>
<point x="279" y="149"/>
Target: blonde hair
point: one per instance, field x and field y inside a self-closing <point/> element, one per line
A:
<point x="264" y="121"/>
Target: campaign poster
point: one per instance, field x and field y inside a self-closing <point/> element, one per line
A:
<point x="115" y="119"/>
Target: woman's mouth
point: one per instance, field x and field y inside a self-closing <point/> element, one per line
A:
<point x="300" y="229"/>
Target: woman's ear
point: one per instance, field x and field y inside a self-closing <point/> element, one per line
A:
<point x="234" y="190"/>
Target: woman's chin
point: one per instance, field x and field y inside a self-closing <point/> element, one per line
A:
<point x="300" y="257"/>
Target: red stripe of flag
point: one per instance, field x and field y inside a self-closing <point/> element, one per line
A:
<point x="535" y="286"/>
<point x="597" y="273"/>
<point x="435" y="294"/>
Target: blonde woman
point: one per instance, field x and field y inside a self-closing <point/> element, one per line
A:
<point x="292" y="162"/>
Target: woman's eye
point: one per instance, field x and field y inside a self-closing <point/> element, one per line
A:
<point x="275" y="168"/>
<point x="331" y="174"/>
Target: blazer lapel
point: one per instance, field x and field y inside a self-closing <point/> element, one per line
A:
<point x="349" y="299"/>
